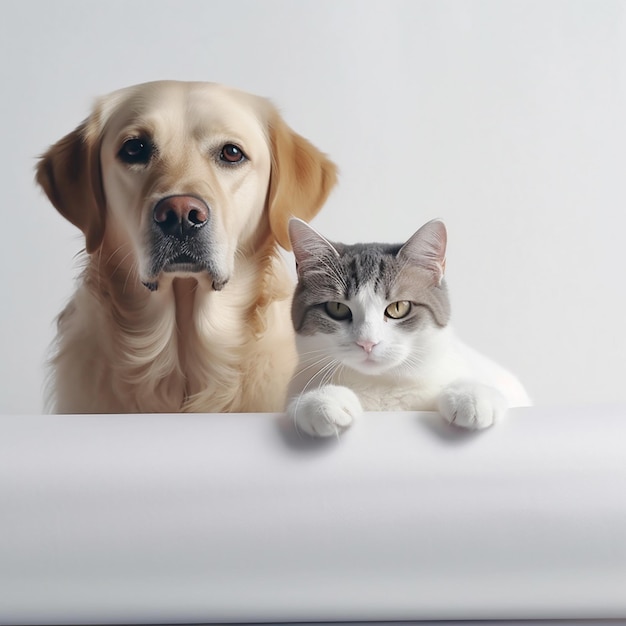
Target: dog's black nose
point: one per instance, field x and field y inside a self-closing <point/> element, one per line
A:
<point x="181" y="216"/>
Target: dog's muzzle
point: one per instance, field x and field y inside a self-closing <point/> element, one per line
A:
<point x="180" y="239"/>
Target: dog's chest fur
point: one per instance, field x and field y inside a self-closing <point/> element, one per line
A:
<point x="182" y="348"/>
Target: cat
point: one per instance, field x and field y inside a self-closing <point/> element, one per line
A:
<point x="373" y="334"/>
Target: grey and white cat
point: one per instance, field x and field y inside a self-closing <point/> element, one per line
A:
<point x="373" y="333"/>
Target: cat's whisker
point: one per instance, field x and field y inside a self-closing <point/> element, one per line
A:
<point x="330" y="372"/>
<point x="312" y="354"/>
<point x="323" y="371"/>
<point x="409" y="367"/>
<point x="339" y="372"/>
<point x="318" y="372"/>
<point x="311" y="365"/>
<point x="335" y="365"/>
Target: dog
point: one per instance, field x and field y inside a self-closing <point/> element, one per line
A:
<point x="183" y="191"/>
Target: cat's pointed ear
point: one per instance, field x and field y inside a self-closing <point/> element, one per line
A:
<point x="307" y="244"/>
<point x="427" y="248"/>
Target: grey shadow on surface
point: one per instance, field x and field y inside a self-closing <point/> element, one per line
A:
<point x="432" y="423"/>
<point x="301" y="442"/>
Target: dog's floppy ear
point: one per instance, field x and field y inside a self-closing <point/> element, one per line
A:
<point x="69" y="173"/>
<point x="300" y="181"/>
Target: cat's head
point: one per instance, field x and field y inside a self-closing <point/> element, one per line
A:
<point x="374" y="308"/>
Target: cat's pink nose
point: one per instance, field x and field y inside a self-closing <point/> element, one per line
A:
<point x="368" y="346"/>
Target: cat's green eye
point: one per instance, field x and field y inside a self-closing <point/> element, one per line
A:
<point x="398" y="310"/>
<point x="338" y="310"/>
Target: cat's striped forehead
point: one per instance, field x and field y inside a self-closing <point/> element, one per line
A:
<point x="372" y="266"/>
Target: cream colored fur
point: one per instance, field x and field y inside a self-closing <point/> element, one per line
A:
<point x="184" y="347"/>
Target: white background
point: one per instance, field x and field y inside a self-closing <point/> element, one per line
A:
<point x="506" y="119"/>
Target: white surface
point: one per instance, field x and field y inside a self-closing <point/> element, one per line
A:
<point x="191" y="519"/>
<point x="506" y="119"/>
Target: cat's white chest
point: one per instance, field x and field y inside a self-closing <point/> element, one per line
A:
<point x="378" y="394"/>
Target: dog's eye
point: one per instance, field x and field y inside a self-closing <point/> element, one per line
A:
<point x="136" y="150"/>
<point x="231" y="153"/>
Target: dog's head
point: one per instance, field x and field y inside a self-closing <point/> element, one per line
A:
<point x="181" y="177"/>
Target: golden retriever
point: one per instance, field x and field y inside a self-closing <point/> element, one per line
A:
<point x="183" y="191"/>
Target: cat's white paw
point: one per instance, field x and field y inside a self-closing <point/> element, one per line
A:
<point x="471" y="405"/>
<point x="326" y="411"/>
